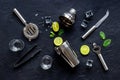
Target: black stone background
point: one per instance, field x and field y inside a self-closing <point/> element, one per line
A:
<point x="11" y="28"/>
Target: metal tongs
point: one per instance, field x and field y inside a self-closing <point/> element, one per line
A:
<point x="24" y="59"/>
<point x="68" y="54"/>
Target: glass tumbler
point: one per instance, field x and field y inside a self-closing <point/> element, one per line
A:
<point x="16" y="45"/>
<point x="46" y="62"/>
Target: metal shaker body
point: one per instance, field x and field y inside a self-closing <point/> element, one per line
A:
<point x="68" y="18"/>
<point x="68" y="54"/>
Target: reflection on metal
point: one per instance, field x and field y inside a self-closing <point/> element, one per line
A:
<point x="68" y="18"/>
<point x="68" y="54"/>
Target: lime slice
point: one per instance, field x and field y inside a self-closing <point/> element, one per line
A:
<point x="84" y="50"/>
<point x="58" y="41"/>
<point x="55" y="26"/>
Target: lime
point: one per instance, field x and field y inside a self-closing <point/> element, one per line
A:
<point x="58" y="41"/>
<point x="84" y="50"/>
<point x="55" y="26"/>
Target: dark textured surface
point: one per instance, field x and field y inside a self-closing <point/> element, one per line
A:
<point x="11" y="27"/>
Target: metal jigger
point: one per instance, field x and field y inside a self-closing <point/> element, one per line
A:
<point x="68" y="18"/>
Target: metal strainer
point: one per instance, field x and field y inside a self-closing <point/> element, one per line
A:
<point x="30" y="30"/>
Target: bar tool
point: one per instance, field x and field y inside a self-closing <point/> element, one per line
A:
<point x="68" y="54"/>
<point x="96" y="25"/>
<point x="97" y="50"/>
<point x="68" y="18"/>
<point x="30" y="30"/>
<point x="24" y="59"/>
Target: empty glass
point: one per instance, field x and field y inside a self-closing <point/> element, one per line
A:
<point x="16" y="45"/>
<point x="46" y="62"/>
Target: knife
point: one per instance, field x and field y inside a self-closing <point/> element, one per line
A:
<point x="96" y="25"/>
